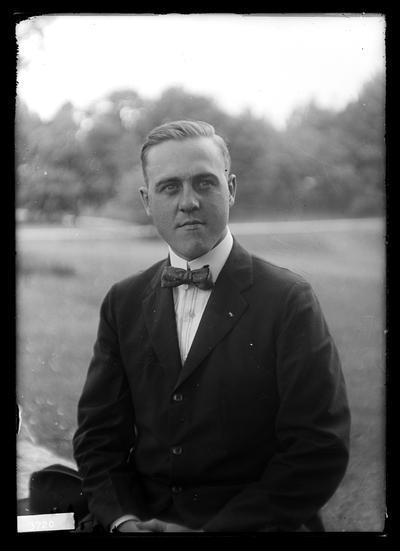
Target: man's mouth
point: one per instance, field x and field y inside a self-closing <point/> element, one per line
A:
<point x="190" y="223"/>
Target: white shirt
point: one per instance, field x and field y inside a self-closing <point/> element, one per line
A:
<point x="190" y="301"/>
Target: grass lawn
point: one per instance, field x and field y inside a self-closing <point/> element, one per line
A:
<point x="61" y="285"/>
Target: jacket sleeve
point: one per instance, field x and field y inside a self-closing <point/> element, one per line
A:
<point x="105" y="433"/>
<point x="312" y="427"/>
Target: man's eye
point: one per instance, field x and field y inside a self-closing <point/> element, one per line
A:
<point x="169" y="188"/>
<point x="205" y="183"/>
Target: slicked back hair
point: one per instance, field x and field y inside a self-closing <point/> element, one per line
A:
<point x="182" y="130"/>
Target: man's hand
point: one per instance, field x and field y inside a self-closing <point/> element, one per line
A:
<point x="171" y="527"/>
<point x="152" y="525"/>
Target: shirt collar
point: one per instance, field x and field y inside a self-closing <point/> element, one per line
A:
<point x="215" y="258"/>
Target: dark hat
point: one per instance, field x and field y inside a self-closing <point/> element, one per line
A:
<point x="57" y="489"/>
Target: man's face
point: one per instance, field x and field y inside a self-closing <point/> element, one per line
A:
<point x="189" y="194"/>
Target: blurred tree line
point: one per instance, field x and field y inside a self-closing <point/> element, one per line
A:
<point x="323" y="163"/>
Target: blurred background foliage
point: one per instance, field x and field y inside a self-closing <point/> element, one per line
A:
<point x="86" y="162"/>
<point x="323" y="163"/>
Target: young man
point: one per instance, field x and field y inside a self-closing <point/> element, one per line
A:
<point x="215" y="399"/>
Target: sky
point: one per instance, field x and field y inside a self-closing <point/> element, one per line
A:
<point x="270" y="64"/>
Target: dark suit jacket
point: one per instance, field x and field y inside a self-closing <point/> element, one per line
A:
<point x="253" y="430"/>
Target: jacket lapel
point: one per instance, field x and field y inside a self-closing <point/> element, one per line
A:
<point x="159" y="315"/>
<point x="224" y="309"/>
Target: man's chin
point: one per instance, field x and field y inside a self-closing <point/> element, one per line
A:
<point x="191" y="251"/>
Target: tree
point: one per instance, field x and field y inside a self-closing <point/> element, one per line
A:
<point x="49" y="161"/>
<point x="30" y="32"/>
<point x="342" y="151"/>
<point x="323" y="162"/>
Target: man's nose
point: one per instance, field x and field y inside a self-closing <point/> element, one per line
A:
<point x="188" y="199"/>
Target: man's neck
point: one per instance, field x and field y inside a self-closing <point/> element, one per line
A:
<point x="215" y="258"/>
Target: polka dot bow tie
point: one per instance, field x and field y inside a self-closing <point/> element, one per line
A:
<point x="201" y="278"/>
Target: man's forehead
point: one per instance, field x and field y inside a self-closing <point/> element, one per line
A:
<point x="188" y="154"/>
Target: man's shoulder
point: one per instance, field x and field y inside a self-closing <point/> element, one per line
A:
<point x="138" y="282"/>
<point x="261" y="275"/>
<point x="263" y="267"/>
<point x="278" y="276"/>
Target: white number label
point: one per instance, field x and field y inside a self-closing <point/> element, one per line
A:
<point x="45" y="523"/>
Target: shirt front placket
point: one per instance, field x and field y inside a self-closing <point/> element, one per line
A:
<point x="190" y="293"/>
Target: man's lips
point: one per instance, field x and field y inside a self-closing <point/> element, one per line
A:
<point x="190" y="223"/>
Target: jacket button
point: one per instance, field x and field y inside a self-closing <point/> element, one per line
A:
<point x="176" y="489"/>
<point x="177" y="397"/>
<point x="176" y="450"/>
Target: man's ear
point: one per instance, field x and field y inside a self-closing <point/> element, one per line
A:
<point x="232" y="189"/>
<point x="144" y="195"/>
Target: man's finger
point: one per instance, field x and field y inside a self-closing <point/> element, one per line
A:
<point x="171" y="527"/>
<point x="152" y="525"/>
